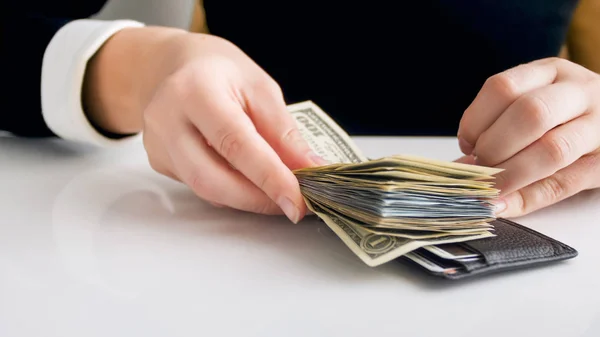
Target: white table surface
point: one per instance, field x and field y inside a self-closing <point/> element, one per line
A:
<point x="94" y="243"/>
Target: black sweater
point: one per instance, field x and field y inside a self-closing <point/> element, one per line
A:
<point x="380" y="67"/>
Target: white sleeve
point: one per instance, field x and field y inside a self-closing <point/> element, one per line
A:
<point x="63" y="68"/>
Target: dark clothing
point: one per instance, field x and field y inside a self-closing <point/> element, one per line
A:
<point x="27" y="28"/>
<point x="378" y="68"/>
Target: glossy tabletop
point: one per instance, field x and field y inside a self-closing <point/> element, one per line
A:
<point x="94" y="243"/>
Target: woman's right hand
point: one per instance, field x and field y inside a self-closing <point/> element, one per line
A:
<point x="214" y="120"/>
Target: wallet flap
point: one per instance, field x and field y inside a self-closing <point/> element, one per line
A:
<point x="515" y="243"/>
<point x="513" y="246"/>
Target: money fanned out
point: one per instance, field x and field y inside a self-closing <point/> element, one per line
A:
<point x="389" y="207"/>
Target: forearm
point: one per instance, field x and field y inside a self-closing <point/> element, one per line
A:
<point x="121" y="77"/>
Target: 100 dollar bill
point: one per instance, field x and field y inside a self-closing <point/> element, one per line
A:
<point x="333" y="144"/>
<point x="324" y="136"/>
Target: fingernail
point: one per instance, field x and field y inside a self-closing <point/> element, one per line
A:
<point x="216" y="204"/>
<point x="289" y="208"/>
<point x="465" y="147"/>
<point x="499" y="206"/>
<point x="317" y="159"/>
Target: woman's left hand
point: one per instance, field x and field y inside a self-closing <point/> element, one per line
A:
<point x="540" y="122"/>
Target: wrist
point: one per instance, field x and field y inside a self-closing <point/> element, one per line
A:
<point x="121" y="77"/>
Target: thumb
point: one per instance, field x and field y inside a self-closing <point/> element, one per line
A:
<point x="466" y="160"/>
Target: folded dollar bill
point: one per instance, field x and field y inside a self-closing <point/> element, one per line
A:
<point x="388" y="207"/>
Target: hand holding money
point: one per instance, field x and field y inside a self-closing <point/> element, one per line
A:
<point x="389" y="207"/>
<point x="214" y="121"/>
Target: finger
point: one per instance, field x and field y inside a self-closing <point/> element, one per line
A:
<point x="498" y="93"/>
<point x="158" y="158"/>
<point x="466" y="160"/>
<point x="212" y="179"/>
<point x="557" y="149"/>
<point x="529" y="118"/>
<point x="581" y="175"/>
<point x="593" y="162"/>
<point x="268" y="111"/>
<point x="501" y="90"/>
<point x="233" y="135"/>
<point x="565" y="70"/>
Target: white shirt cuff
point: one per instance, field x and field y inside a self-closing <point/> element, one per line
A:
<point x="63" y="69"/>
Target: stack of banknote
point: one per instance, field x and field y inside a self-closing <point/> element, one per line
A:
<point x="389" y="207"/>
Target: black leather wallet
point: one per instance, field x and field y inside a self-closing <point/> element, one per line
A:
<point x="514" y="246"/>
